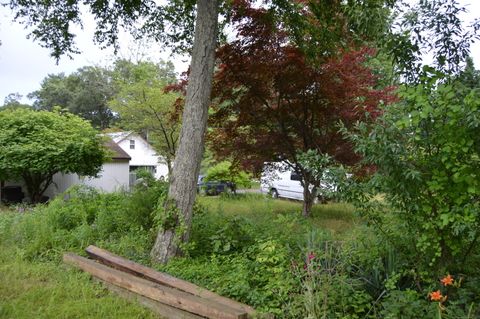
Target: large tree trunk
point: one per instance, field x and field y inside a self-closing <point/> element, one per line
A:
<point x="194" y="121"/>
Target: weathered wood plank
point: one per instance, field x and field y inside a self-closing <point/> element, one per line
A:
<point x="163" y="310"/>
<point x="137" y="269"/>
<point x="146" y="288"/>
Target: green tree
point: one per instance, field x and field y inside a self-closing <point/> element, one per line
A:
<point x="470" y="77"/>
<point x="171" y="23"/>
<point x="34" y="145"/>
<point x="225" y="171"/>
<point x="128" y="72"/>
<point x="55" y="90"/>
<point x="93" y="88"/>
<point x="145" y="107"/>
<point x="322" y="28"/>
<point x="84" y="93"/>
<point x="429" y="28"/>
<point x="426" y="149"/>
<point x="13" y="101"/>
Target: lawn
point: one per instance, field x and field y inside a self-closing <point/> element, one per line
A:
<point x="335" y="217"/>
<point x="39" y="286"/>
<point x="43" y="288"/>
<point x="31" y="289"/>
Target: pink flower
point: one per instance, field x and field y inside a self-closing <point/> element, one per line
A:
<point x="311" y="256"/>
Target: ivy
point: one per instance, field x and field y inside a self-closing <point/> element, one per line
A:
<point x="168" y="217"/>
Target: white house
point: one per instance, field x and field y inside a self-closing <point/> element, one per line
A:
<point x="113" y="176"/>
<point x="141" y="152"/>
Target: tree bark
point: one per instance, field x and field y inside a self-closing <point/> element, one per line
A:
<point x="36" y="185"/>
<point x="2" y="184"/>
<point x="170" y="169"/>
<point x="308" y="200"/>
<point x="194" y="121"/>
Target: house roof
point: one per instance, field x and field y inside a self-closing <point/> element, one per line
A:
<point x="119" y="136"/>
<point x="118" y="153"/>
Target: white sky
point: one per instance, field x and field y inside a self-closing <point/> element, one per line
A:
<point x="23" y="63"/>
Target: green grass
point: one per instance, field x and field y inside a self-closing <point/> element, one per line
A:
<point x="335" y="217"/>
<point x="43" y="287"/>
<point x="253" y="185"/>
<point x="30" y="289"/>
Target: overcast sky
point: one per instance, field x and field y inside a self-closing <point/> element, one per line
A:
<point x="23" y="63"/>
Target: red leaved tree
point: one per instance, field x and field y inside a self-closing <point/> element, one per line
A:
<point x="271" y="102"/>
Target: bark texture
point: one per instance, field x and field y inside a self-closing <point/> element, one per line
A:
<point x="191" y="144"/>
<point x="308" y="200"/>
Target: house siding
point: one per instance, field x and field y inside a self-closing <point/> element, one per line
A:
<point x="143" y="154"/>
<point x="114" y="176"/>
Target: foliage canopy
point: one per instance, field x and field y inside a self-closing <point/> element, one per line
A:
<point x="34" y="145"/>
<point x="273" y="102"/>
<point x="145" y="107"/>
<point x="84" y="93"/>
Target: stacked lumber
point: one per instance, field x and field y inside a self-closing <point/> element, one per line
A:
<point x="168" y="296"/>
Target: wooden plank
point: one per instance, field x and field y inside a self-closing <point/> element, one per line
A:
<point x="137" y="269"/>
<point x="165" y="311"/>
<point x="163" y="294"/>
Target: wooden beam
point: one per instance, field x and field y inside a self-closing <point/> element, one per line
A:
<point x="137" y="269"/>
<point x="159" y="308"/>
<point x="170" y="296"/>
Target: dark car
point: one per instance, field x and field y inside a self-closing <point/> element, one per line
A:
<point x="214" y="187"/>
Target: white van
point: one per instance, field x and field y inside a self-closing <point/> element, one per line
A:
<point x="283" y="181"/>
<point x="282" y="184"/>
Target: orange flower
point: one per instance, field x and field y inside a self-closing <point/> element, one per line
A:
<point x="447" y="281"/>
<point x="436" y="295"/>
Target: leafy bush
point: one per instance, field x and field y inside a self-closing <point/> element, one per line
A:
<point x="259" y="276"/>
<point x="225" y="171"/>
<point x="82" y="216"/>
<point x="426" y="150"/>
<point x="266" y="256"/>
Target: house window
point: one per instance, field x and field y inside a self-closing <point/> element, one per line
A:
<point x="132" y="144"/>
<point x="295" y="177"/>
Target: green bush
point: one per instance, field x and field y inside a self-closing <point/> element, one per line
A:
<point x="225" y="171"/>
<point x="252" y="250"/>
<point x="426" y="151"/>
<point x="259" y="276"/>
<point x="82" y="216"/>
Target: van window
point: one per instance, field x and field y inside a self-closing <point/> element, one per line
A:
<point x="295" y="177"/>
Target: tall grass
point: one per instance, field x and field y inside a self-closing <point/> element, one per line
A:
<point x="32" y="289"/>
<point x="242" y="247"/>
<point x="337" y="218"/>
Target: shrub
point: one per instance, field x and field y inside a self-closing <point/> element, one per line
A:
<point x="225" y="171"/>
<point x="259" y="276"/>
<point x="426" y="151"/>
<point x="82" y="216"/>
